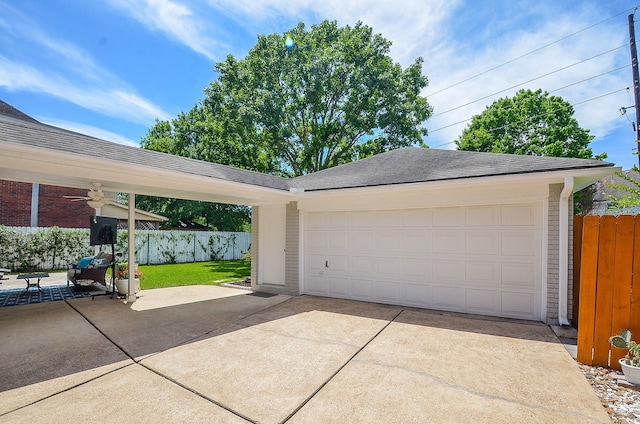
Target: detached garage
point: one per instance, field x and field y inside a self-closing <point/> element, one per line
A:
<point x="449" y="230"/>
<point x="458" y="231"/>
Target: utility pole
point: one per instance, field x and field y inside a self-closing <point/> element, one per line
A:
<point x="636" y="80"/>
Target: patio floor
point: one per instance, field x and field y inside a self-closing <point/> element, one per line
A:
<point x="216" y="354"/>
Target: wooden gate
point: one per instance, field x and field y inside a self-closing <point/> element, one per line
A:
<point x="607" y="261"/>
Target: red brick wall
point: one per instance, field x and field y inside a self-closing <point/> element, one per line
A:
<point x="15" y="203"/>
<point x="54" y="209"/>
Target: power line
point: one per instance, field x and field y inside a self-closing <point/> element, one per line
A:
<point x="531" y="80"/>
<point x="527" y="119"/>
<point x="530" y="52"/>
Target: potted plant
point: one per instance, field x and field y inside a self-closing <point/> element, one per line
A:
<point x="631" y="362"/>
<point x="122" y="277"/>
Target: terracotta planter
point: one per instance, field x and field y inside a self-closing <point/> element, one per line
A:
<point x="631" y="373"/>
<point x="122" y="286"/>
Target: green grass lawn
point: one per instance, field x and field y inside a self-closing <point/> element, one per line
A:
<point x="188" y="274"/>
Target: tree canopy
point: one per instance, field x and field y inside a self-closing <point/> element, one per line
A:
<point x="298" y="102"/>
<point x="302" y="101"/>
<point x="530" y="123"/>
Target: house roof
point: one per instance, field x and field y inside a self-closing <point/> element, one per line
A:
<point x="414" y="164"/>
<point x="43" y="153"/>
<point x="17" y="129"/>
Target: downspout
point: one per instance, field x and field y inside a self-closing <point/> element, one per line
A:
<point x="563" y="277"/>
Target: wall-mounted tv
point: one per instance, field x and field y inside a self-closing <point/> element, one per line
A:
<point x="103" y="230"/>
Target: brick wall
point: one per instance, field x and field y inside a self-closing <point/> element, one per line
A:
<point x="292" y="251"/>
<point x="15" y="204"/>
<point x="53" y="208"/>
<point x="553" y="252"/>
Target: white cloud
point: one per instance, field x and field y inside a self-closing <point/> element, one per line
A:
<point x="70" y="73"/>
<point x="176" y="20"/>
<point x="114" y="102"/>
<point x="89" y="130"/>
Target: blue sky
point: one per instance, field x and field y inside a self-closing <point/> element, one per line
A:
<point x="110" y="68"/>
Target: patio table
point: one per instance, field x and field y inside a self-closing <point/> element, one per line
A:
<point x="28" y="277"/>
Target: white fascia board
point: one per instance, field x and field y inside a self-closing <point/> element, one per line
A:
<point x="29" y="164"/>
<point x="470" y="191"/>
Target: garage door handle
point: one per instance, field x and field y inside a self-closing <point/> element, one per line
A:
<point x="326" y="264"/>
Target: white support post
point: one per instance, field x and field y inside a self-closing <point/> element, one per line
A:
<point x="131" y="296"/>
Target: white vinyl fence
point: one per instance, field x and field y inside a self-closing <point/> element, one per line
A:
<point x="32" y="248"/>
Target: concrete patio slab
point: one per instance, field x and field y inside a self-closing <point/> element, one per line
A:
<point x="210" y="355"/>
<point x="164" y="318"/>
<point x="129" y="395"/>
<point x="447" y="368"/>
<point x="47" y="348"/>
<point x="267" y="365"/>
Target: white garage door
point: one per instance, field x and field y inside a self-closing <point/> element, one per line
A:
<point x="476" y="259"/>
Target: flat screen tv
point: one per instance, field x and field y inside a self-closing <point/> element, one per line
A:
<point x="103" y="230"/>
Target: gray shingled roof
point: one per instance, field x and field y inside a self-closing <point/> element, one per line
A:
<point x="48" y="137"/>
<point x="8" y="110"/>
<point x="401" y="166"/>
<point x="414" y="164"/>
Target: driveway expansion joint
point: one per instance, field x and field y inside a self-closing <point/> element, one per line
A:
<point x="332" y="376"/>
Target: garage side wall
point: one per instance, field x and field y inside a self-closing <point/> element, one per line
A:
<point x="553" y="252"/>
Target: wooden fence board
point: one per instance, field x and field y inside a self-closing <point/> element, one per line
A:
<point x="604" y="290"/>
<point x="588" y="277"/>
<point x="634" y="324"/>
<point x="609" y="285"/>
<point x="621" y="306"/>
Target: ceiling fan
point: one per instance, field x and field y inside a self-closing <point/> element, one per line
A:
<point x="95" y="197"/>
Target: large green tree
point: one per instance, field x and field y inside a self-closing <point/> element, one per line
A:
<point x="299" y="102"/>
<point x="530" y="123"/>
<point x="303" y="101"/>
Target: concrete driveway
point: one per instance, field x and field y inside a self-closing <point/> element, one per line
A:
<point x="212" y="354"/>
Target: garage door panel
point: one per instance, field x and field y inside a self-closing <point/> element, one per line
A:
<point x="447" y="271"/>
<point x="362" y="219"/>
<point x="446" y="297"/>
<point x="338" y="287"/>
<point x="416" y="242"/>
<point x="361" y="265"/>
<point x="448" y="217"/>
<point x="479" y="242"/>
<point x="448" y="242"/>
<point x="386" y="266"/>
<point x="338" y="219"/>
<point x="337" y="241"/>
<point x="518" y="304"/>
<point x="414" y="295"/>
<point x="337" y="264"/>
<point x="316" y="263"/>
<point x="388" y="241"/>
<point x="386" y="291"/>
<point x="521" y="215"/>
<point x="316" y="285"/>
<point x="519" y="274"/>
<point x="315" y="241"/>
<point x="519" y="243"/>
<point x="481" y="301"/>
<point x="482" y="272"/>
<point x="362" y="289"/>
<point x="484" y="259"/>
<point x="482" y="216"/>
<point x="361" y="241"/>
<point x="418" y="218"/>
<point x="415" y="268"/>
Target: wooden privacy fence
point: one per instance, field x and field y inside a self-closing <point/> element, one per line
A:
<point x="608" y="263"/>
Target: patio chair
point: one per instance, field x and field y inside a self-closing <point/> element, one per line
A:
<point x="91" y="269"/>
